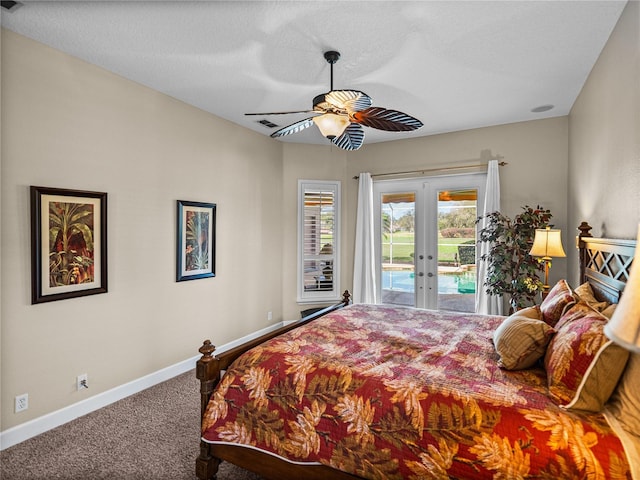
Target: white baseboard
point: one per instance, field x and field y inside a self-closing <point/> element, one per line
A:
<point x="32" y="428"/>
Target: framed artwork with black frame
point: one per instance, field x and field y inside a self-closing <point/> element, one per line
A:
<point x="68" y="243"/>
<point x="196" y="252"/>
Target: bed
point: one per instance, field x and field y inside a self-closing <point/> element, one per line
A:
<point x="375" y="391"/>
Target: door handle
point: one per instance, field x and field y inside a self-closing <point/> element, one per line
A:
<point x="429" y="274"/>
<point x="421" y="274"/>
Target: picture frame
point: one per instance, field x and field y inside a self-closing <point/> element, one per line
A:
<point x="68" y="243"/>
<point x="196" y="242"/>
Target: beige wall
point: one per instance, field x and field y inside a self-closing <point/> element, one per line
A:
<point x="532" y="149"/>
<point x="69" y="124"/>
<point x="307" y="162"/>
<point x="604" y="138"/>
<point x="536" y="173"/>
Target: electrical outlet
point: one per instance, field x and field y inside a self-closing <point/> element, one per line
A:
<point x="269" y="316"/>
<point x="22" y="402"/>
<point x="82" y="381"/>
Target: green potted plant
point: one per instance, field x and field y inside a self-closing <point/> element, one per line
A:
<point x="511" y="271"/>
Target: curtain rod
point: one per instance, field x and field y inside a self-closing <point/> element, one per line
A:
<point x="422" y="172"/>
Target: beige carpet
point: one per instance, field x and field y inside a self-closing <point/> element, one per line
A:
<point x="151" y="435"/>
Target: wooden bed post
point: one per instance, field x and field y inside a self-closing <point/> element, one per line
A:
<point x="208" y="372"/>
<point x="346" y="297"/>
<point x="585" y="230"/>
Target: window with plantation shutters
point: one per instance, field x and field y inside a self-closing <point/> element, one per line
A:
<point x="318" y="240"/>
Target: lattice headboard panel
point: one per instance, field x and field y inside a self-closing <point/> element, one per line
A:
<point x="605" y="263"/>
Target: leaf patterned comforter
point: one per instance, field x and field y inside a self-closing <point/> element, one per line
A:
<point x="394" y="392"/>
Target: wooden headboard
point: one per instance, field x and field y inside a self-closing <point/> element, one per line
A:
<point x="604" y="263"/>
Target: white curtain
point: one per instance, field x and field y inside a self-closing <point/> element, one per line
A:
<point x="364" y="268"/>
<point x="488" y="304"/>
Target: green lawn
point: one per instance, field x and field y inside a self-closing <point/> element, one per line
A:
<point x="403" y="248"/>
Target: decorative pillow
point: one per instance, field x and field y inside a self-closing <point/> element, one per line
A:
<point x="585" y="294"/>
<point x="625" y="401"/>
<point x="608" y="312"/>
<point x="530" y="312"/>
<point x="583" y="366"/>
<point x="575" y="312"/>
<point x="521" y="339"/>
<point x="560" y="298"/>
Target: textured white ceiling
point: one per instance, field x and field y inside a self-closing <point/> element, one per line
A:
<point x="454" y="65"/>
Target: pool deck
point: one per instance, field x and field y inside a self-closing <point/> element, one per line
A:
<point x="458" y="269"/>
<point x="452" y="302"/>
<point x="400" y="267"/>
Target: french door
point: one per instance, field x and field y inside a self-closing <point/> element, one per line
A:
<point x="426" y="241"/>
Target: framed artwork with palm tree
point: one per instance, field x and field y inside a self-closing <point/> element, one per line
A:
<point x="68" y="243"/>
<point x="196" y="240"/>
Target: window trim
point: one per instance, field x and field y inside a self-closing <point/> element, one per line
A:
<point x="322" y="295"/>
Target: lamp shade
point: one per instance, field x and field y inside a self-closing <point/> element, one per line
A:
<point x="624" y="326"/>
<point x="547" y="243"/>
<point x="331" y="125"/>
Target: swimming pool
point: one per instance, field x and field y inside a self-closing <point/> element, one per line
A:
<point x="403" y="281"/>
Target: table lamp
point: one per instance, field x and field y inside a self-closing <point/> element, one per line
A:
<point x="624" y="326"/>
<point x="547" y="244"/>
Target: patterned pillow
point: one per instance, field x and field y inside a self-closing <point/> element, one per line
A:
<point x="625" y="401"/>
<point x="583" y="366"/>
<point x="522" y="339"/>
<point x="575" y="312"/>
<point x="585" y="294"/>
<point x="556" y="303"/>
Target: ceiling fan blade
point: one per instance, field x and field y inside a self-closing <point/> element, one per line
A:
<point x="349" y="100"/>
<point x="351" y="139"/>
<point x="281" y="113"/>
<point x="293" y="128"/>
<point x="384" y="119"/>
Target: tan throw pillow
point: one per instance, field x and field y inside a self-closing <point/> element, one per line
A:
<point x="585" y="294"/>
<point x="583" y="366"/>
<point x="521" y="339"/>
<point x="608" y="312"/>
<point x="625" y="400"/>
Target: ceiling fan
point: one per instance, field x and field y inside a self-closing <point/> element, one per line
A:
<point x="340" y="115"/>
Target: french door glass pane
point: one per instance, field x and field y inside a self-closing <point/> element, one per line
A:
<point x="398" y="248"/>
<point x="457" y="214"/>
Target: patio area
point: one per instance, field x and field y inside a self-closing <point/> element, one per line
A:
<point x="452" y="302"/>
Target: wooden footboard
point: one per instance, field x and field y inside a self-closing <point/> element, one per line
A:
<point x="209" y="370"/>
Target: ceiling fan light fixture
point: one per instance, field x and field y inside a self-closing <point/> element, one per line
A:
<point x="340" y="115"/>
<point x="331" y="125"/>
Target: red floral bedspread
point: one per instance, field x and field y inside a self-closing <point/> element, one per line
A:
<point x="388" y="392"/>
